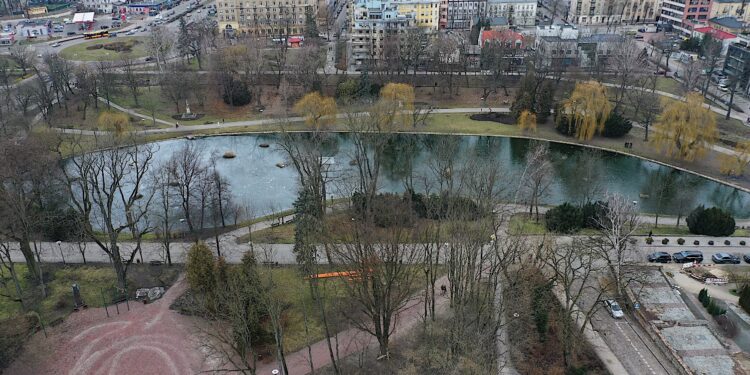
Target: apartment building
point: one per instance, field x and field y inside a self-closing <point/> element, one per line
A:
<point x="685" y="15"/>
<point x="459" y="13"/>
<point x="375" y="23"/>
<point x="563" y="47"/>
<point x="737" y="62"/>
<point x="517" y="12"/>
<point x="270" y="18"/>
<point x="613" y="12"/>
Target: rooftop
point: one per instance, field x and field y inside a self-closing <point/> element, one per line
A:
<point x="600" y="38"/>
<point x="729" y="22"/>
<point x="715" y="33"/>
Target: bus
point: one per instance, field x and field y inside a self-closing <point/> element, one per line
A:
<point x="96" y="34"/>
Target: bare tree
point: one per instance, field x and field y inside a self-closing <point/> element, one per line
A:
<point x="187" y="169"/>
<point x="537" y="176"/>
<point x="87" y="83"/>
<point x="160" y="44"/>
<point x="617" y="226"/>
<point x="108" y="191"/>
<point x="130" y="77"/>
<point x="107" y="80"/>
<point x="23" y="56"/>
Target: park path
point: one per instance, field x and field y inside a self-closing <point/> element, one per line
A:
<point x="146" y="339"/>
<point x="353" y="340"/>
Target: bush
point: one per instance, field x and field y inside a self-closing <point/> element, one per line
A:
<point x="591" y="212"/>
<point x="565" y="218"/>
<point x="706" y="301"/>
<point x="616" y="126"/>
<point x="711" y="243"/>
<point x="702" y="295"/>
<point x="727" y="243"/>
<point x="696" y="242"/>
<point x="710" y="222"/>
<point x="235" y="93"/>
<point x="665" y="241"/>
<point x="745" y="298"/>
<point x="649" y="240"/>
<point x="680" y="241"/>
<point x="200" y="269"/>
<point x="742" y="243"/>
<point x="562" y="124"/>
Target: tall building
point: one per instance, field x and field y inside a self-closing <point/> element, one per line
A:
<point x="685" y="15"/>
<point x="614" y="12"/>
<point x="268" y="18"/>
<point x="517" y="12"/>
<point x="375" y="23"/>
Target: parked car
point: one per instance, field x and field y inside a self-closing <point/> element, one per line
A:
<point x="746" y="257"/>
<point x="659" y="257"/>
<point x="614" y="309"/>
<point x="688" y="256"/>
<point x="725" y="258"/>
<point x="55" y="45"/>
<point x="71" y="33"/>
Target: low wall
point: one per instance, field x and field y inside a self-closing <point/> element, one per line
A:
<point x="742" y="320"/>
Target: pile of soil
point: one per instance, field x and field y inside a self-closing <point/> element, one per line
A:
<point x="115" y="46"/>
<point x="503" y="118"/>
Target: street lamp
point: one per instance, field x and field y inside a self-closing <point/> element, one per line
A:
<point x="59" y="246"/>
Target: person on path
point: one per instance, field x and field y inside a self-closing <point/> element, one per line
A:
<point x="650" y="233"/>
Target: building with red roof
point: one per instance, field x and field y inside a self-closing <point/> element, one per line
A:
<point x="724" y="37"/>
<point x="509" y="37"/>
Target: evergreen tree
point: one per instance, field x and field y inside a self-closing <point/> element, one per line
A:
<point x="183" y="39"/>
<point x="311" y="25"/>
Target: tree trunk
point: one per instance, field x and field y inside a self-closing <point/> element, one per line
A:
<point x="30" y="260"/>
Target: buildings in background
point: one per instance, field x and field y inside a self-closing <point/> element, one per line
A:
<point x="739" y="9"/>
<point x="100" y="6"/>
<point x="737" y="62"/>
<point x="268" y="18"/>
<point x="517" y="12"/>
<point x="685" y="15"/>
<point x="459" y="14"/>
<point x="612" y="12"/>
<point x="566" y="47"/>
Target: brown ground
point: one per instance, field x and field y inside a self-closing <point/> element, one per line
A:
<point x="148" y="339"/>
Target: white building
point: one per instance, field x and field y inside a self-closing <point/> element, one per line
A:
<point x="517" y="12"/>
<point x="100" y="6"/>
<point x="613" y="12"/>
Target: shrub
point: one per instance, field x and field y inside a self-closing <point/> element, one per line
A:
<point x="565" y="218"/>
<point x="727" y="243"/>
<point x="649" y="240"/>
<point x="665" y="241"/>
<point x="235" y="93"/>
<point x="702" y="295"/>
<point x="711" y="222"/>
<point x="711" y="243"/>
<point x="616" y="126"/>
<point x="742" y="243"/>
<point x="680" y="241"/>
<point x="696" y="242"/>
<point x="745" y="298"/>
<point x="200" y="268"/>
<point x="706" y="301"/>
<point x="591" y="212"/>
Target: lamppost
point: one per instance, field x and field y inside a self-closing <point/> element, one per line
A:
<point x="59" y="246"/>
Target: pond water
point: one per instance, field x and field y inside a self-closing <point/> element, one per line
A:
<point x="258" y="182"/>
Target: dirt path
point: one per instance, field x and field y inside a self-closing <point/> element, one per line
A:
<point x="148" y="339"/>
<point x="353" y="340"/>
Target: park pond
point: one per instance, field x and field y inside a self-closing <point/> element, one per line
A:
<point x="259" y="180"/>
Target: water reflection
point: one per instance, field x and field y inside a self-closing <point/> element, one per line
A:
<point x="580" y="174"/>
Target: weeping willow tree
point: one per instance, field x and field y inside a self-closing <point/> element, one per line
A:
<point x="397" y="99"/>
<point x="685" y="129"/>
<point x="319" y="111"/>
<point x="587" y="110"/>
<point x="734" y="164"/>
<point x="527" y="121"/>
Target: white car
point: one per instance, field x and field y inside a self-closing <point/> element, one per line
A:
<point x="55" y="45"/>
<point x="614" y="309"/>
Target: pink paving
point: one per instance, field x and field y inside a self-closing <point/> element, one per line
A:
<point x="148" y="339"/>
<point x="353" y="340"/>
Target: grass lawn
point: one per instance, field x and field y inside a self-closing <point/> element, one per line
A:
<point x="81" y="53"/>
<point x="91" y="278"/>
<point x="668" y="85"/>
<point x="213" y="109"/>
